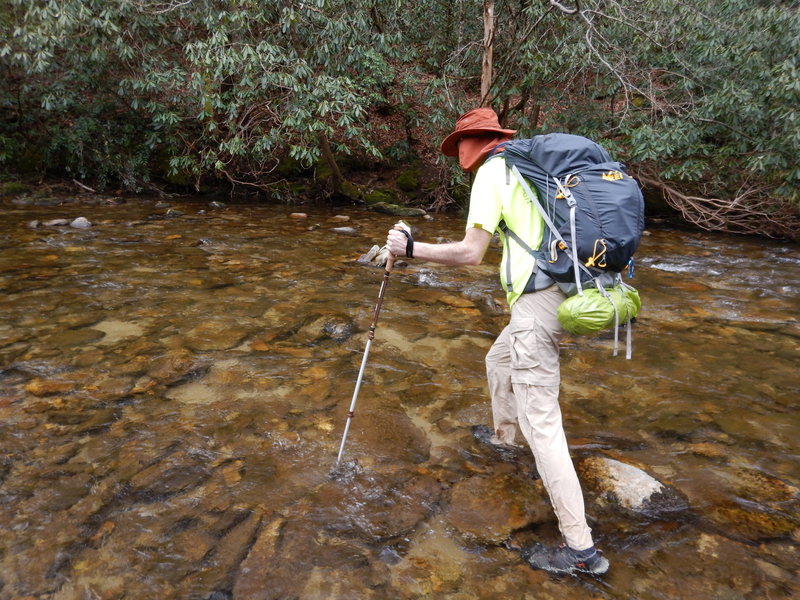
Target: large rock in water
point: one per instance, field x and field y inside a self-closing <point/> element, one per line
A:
<point x="629" y="487"/>
<point x="386" y="434"/>
<point x="338" y="328"/>
<point x="373" y="506"/>
<point x="489" y="509"/>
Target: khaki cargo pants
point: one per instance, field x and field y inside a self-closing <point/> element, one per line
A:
<point x="523" y="373"/>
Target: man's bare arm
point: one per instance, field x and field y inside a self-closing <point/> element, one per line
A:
<point x="468" y="251"/>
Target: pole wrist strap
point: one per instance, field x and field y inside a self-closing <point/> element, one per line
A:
<point x="409" y="243"/>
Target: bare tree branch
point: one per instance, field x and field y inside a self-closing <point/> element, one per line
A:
<point x="564" y="9"/>
<point x="158" y="8"/>
<point x="750" y="211"/>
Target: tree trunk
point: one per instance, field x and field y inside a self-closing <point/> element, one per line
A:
<point x="488" y="46"/>
<point x="327" y="153"/>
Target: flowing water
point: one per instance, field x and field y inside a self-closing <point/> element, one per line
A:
<point x="175" y="381"/>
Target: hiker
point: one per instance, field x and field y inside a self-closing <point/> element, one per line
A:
<point x="522" y="365"/>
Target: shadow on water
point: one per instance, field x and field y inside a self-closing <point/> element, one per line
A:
<point x="175" y="385"/>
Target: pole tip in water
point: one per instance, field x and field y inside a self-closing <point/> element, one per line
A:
<point x="345" y="470"/>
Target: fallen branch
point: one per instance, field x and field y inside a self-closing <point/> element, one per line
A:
<point x="85" y="187"/>
<point x="750" y="211"/>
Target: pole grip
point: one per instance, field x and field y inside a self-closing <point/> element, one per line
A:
<point x="390" y="262"/>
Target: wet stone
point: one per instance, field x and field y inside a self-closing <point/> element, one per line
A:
<point x="215" y="336"/>
<point x="76" y="320"/>
<point x="334" y="327"/>
<point x="215" y="573"/>
<point x="173" y="367"/>
<point x="369" y="255"/>
<point x="629" y="487"/>
<point x="80" y="223"/>
<point x="259" y="560"/>
<point x="375" y="506"/>
<point x="280" y="566"/>
<point x="107" y="387"/>
<point x="748" y="523"/>
<point x="93" y="586"/>
<point x="169" y="476"/>
<point x="401" y="442"/>
<point x="704" y="565"/>
<point x="516" y="502"/>
<point x="49" y="387"/>
<point x="74" y="337"/>
<point x="761" y="487"/>
<point x="345" y="230"/>
<point x="116" y="330"/>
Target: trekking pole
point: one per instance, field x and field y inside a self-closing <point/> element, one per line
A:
<point x="370" y="337"/>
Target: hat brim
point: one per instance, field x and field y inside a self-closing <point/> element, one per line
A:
<point x="449" y="146"/>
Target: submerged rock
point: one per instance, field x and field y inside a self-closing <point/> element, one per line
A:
<point x="48" y="387"/>
<point x="371" y="506"/>
<point x="761" y="487"/>
<point x="387" y="435"/>
<point x="280" y="565"/>
<point x="337" y="328"/>
<point x="169" y="476"/>
<point x="345" y="230"/>
<point x="750" y="523"/>
<point x="516" y="502"/>
<point x="213" y="335"/>
<point x="260" y="559"/>
<point x="629" y="487"/>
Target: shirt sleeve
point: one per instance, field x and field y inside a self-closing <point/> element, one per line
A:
<point x="485" y="204"/>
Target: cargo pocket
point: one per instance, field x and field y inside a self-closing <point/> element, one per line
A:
<point x="524" y="344"/>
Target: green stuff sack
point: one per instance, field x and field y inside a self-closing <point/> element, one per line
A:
<point x="594" y="311"/>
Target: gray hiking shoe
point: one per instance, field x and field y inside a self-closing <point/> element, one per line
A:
<point x="563" y="560"/>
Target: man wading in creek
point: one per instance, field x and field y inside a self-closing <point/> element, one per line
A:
<point x="523" y="364"/>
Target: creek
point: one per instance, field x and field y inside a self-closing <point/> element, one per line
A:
<point x="174" y="382"/>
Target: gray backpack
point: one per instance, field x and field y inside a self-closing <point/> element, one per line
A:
<point x="593" y="209"/>
<point x="594" y="213"/>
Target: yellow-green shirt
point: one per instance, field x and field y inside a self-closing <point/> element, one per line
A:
<point x="497" y="196"/>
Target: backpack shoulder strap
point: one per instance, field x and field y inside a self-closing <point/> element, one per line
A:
<point x="559" y="238"/>
<point x="535" y="200"/>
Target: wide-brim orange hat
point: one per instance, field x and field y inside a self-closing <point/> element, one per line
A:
<point x="478" y="120"/>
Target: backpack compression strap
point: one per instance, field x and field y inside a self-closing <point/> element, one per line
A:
<point x="571" y="202"/>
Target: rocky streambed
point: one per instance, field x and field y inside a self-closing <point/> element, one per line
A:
<point x="175" y="379"/>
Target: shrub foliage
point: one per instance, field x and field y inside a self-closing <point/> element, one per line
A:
<point x="700" y="98"/>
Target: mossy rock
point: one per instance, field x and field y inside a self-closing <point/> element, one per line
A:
<point x="380" y="197"/>
<point x="408" y="181"/>
<point x="397" y="210"/>
<point x="13" y="188"/>
<point x="352" y="191"/>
